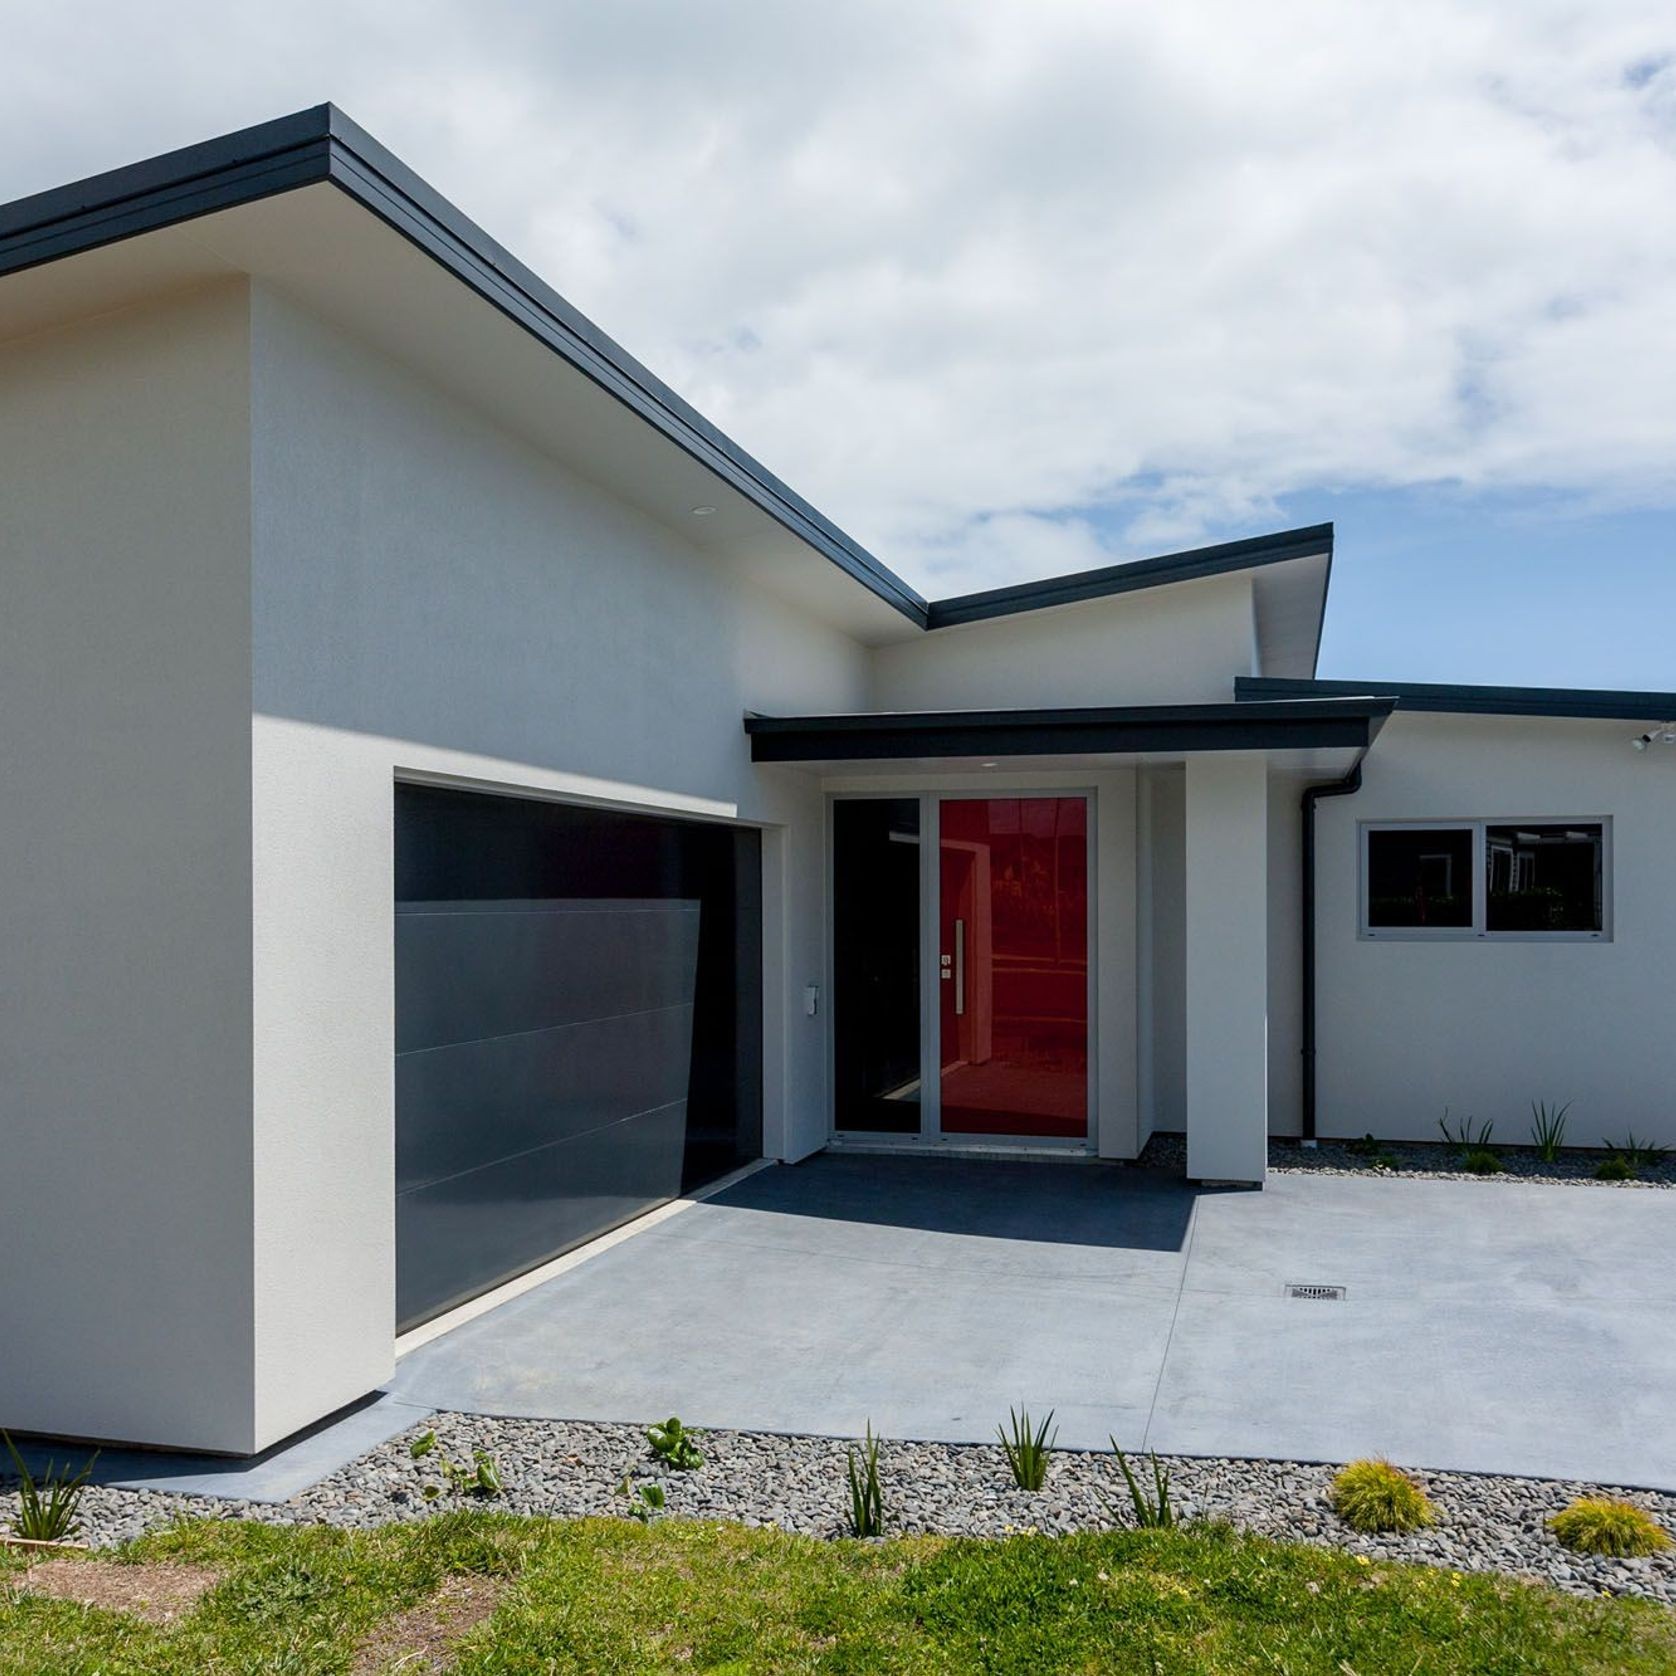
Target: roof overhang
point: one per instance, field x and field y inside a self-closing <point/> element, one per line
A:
<point x="312" y="204"/>
<point x="1290" y="570"/>
<point x="1315" y="736"/>
<point x="1444" y="699"/>
<point x="316" y="207"/>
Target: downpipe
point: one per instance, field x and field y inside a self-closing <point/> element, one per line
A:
<point x="1345" y="787"/>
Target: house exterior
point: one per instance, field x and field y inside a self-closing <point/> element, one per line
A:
<point x="457" y="800"/>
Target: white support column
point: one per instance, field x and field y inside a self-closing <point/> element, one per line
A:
<point x="1227" y="967"/>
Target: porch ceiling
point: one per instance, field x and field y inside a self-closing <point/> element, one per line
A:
<point x="1311" y="735"/>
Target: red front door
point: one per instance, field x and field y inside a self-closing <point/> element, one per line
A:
<point x="1013" y="966"/>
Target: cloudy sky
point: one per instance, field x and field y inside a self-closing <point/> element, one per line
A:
<point x="1011" y="287"/>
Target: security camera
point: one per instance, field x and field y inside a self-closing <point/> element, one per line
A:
<point x="1663" y="734"/>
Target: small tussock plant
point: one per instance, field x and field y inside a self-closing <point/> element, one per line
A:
<point x="1464" y="1135"/>
<point x="1480" y="1162"/>
<point x="1600" y="1525"/>
<point x="1028" y="1447"/>
<point x="1548" y="1129"/>
<point x="1149" y="1505"/>
<point x="48" y="1506"/>
<point x="1374" y="1497"/>
<point x="1637" y="1153"/>
<point x="1615" y="1168"/>
<point x="867" y="1501"/>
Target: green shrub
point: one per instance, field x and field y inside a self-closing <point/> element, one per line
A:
<point x="1028" y="1447"/>
<point x="1480" y="1162"/>
<point x="674" y="1445"/>
<point x="480" y="1478"/>
<point x="1638" y="1153"/>
<point x="1599" y="1525"/>
<point x="1374" y="1153"/>
<point x="485" y="1475"/>
<point x="1373" y="1496"/>
<point x="644" y="1500"/>
<point x="1615" y="1168"/>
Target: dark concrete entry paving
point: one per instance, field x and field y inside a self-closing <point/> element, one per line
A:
<point x="1494" y="1326"/>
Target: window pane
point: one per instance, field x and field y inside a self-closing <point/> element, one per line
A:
<point x="1420" y="878"/>
<point x="1544" y="878"/>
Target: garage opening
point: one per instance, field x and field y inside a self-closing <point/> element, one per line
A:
<point x="578" y="1028"/>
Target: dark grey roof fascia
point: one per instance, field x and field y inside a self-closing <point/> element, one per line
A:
<point x="1349" y="723"/>
<point x="322" y="144"/>
<point x="1219" y="560"/>
<point x="1448" y="699"/>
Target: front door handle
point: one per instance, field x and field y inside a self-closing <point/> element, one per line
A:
<point x="959" y="967"/>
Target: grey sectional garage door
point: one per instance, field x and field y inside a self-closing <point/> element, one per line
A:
<point x="577" y="1028"/>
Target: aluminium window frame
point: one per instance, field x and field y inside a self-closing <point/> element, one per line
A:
<point x="1478" y="931"/>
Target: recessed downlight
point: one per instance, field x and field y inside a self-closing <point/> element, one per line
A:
<point x="989" y="765"/>
<point x="703" y="511"/>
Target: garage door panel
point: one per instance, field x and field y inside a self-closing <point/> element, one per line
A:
<point x="457" y="1238"/>
<point x="478" y="969"/>
<point x="578" y="1019"/>
<point x="467" y="1104"/>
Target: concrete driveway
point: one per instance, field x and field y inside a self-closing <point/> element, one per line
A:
<point x="1492" y="1326"/>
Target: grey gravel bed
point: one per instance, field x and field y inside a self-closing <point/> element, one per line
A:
<point x="567" y="1469"/>
<point x="1430" y="1160"/>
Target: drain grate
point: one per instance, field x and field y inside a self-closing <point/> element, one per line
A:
<point x="1316" y="1294"/>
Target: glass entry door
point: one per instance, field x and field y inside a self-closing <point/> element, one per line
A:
<point x="1012" y="976"/>
<point x="876" y="934"/>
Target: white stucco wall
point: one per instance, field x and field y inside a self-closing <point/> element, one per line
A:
<point x="125" y="959"/>
<point x="1226" y="966"/>
<point x="1286" y="953"/>
<point x="1116" y="968"/>
<point x="257" y="573"/>
<point x="1161" y="910"/>
<point x="1182" y="644"/>
<point x="433" y="598"/>
<point x="1406" y="1028"/>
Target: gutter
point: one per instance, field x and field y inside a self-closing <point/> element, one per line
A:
<point x="1350" y="784"/>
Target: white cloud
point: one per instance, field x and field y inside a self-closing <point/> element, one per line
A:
<point x="1016" y="286"/>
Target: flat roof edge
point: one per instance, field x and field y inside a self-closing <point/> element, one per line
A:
<point x="1309" y="541"/>
<point x="1347" y="723"/>
<point x="63" y="208"/>
<point x="1447" y="698"/>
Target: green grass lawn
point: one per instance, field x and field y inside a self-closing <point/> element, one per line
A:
<point x="610" y="1596"/>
